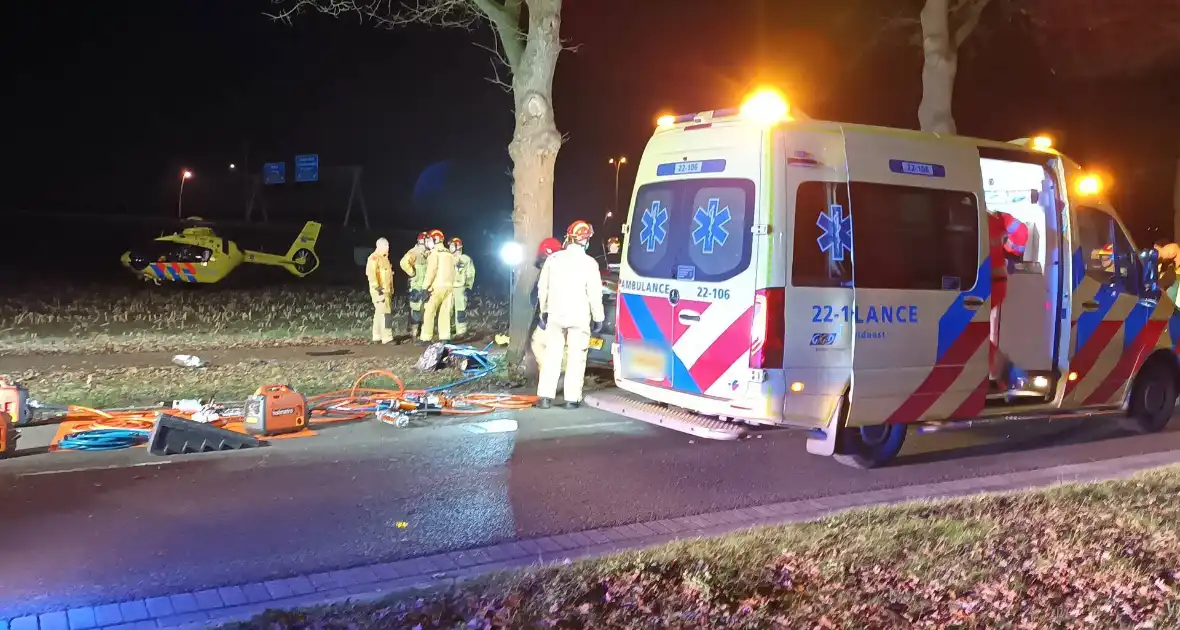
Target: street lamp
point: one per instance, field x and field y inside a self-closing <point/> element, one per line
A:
<point x="618" y="164"/>
<point x="185" y="175"/>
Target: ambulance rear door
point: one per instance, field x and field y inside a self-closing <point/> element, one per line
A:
<point x="690" y="260"/>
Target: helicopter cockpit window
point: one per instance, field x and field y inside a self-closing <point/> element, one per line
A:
<point x="192" y="254"/>
<point x="173" y="252"/>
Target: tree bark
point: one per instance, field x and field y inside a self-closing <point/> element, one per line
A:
<point x="534" y="147"/>
<point x="940" y="64"/>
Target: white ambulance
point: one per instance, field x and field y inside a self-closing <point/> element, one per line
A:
<point x="779" y="270"/>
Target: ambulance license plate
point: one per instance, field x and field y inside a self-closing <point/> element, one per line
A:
<point x="595" y="343"/>
<point x="645" y="363"/>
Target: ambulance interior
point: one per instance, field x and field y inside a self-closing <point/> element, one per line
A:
<point x="1027" y="317"/>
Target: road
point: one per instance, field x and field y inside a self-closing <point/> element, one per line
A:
<point x="84" y="528"/>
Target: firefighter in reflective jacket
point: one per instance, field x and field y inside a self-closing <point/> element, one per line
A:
<point x="537" y="340"/>
<point x="569" y="296"/>
<point x="379" y="273"/>
<point x="414" y="264"/>
<point x="440" y="282"/>
<point x="464" y="280"/>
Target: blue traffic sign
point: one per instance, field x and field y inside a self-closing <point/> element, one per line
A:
<point x="274" y="173"/>
<point x="307" y="168"/>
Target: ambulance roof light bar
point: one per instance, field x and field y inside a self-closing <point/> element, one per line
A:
<point x="765" y="106"/>
<point x="1042" y="143"/>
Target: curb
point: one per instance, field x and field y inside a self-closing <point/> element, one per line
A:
<point x="209" y="607"/>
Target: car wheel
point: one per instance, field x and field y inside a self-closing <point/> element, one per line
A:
<point x="871" y="446"/>
<point x="1153" y="399"/>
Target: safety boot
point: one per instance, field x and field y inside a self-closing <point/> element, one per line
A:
<point x="573" y="404"/>
<point x="545" y="403"/>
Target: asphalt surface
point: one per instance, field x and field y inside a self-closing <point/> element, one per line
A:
<point x="85" y="528"/>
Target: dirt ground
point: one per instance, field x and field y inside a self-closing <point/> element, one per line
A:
<point x="225" y="356"/>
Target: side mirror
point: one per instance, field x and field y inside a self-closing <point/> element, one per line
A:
<point x="1149" y="282"/>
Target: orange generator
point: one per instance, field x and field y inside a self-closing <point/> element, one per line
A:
<point x="8" y="435"/>
<point x="14" y="401"/>
<point x="275" y="409"/>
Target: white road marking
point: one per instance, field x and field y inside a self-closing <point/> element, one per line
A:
<point x="586" y="426"/>
<point x="93" y="468"/>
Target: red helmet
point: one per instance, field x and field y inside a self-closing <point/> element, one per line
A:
<point x="437" y="235"/>
<point x="456" y="242"/>
<point x="579" y="231"/>
<point x="421" y="236"/>
<point x="547" y="247"/>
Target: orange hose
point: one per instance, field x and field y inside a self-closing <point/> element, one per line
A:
<point x="341" y="405"/>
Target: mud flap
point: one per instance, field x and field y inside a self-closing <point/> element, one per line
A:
<point x="823" y="441"/>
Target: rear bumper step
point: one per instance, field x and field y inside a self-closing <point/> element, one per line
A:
<point x="628" y="406"/>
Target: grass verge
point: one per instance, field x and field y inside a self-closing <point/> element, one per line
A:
<point x="1081" y="556"/>
<point x="128" y="387"/>
<point x="141" y="319"/>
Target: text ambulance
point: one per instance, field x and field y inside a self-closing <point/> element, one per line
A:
<point x="779" y="270"/>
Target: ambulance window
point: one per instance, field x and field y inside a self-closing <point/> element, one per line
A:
<point x="914" y="238"/>
<point x="696" y="229"/>
<point x="649" y="250"/>
<point x="718" y="230"/>
<point x="1106" y="251"/>
<point x="815" y="262"/>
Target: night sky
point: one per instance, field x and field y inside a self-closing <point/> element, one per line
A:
<point x="104" y="109"/>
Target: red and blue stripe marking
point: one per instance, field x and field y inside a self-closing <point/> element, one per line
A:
<point x="180" y="272"/>
<point x="959" y="338"/>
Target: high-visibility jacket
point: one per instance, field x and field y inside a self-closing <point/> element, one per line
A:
<point x="440" y="271"/>
<point x="414" y="264"/>
<point x="464" y="271"/>
<point x="379" y="273"/>
<point x="570" y="289"/>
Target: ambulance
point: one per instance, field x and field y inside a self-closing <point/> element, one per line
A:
<point x="780" y="270"/>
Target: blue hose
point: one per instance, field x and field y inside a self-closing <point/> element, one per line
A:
<point x="476" y="376"/>
<point x="103" y="440"/>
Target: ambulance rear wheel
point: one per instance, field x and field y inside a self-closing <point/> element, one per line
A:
<point x="1153" y="399"/>
<point x="870" y="447"/>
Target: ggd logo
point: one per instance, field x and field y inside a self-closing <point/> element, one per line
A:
<point x="823" y="339"/>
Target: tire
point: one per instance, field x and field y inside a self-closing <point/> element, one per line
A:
<point x="870" y="447"/>
<point x="1153" y="399"/>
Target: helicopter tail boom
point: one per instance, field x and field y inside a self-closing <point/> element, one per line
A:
<point x="300" y="259"/>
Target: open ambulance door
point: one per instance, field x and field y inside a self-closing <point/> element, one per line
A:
<point x="1026" y="187"/>
<point x="820" y="298"/>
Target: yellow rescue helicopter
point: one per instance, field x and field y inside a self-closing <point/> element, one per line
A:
<point x="197" y="255"/>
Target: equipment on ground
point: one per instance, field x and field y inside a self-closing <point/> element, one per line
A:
<point x="197" y="255"/>
<point x="14" y="401"/>
<point x="274" y="410"/>
<point x="8" y="435"/>
<point x="177" y="436"/>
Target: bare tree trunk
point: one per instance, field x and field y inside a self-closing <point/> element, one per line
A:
<point x="534" y="147"/>
<point x="941" y="62"/>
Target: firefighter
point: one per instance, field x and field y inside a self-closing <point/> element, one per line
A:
<point x="569" y="296"/>
<point x="439" y="281"/>
<point x="613" y="252"/>
<point x="414" y="264"/>
<point x="379" y="272"/>
<point x="537" y="340"/>
<point x="464" y="280"/>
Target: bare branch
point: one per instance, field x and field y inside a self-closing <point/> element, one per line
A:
<point x="967" y="14"/>
<point x="498" y="60"/>
<point x="505" y="18"/>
